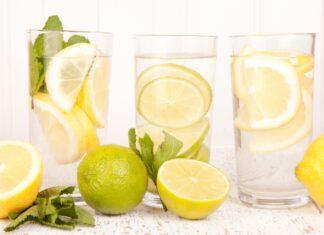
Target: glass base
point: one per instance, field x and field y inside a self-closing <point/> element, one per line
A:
<point x="273" y="202"/>
<point x="152" y="200"/>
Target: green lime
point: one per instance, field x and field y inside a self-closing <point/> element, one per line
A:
<point x="112" y="179"/>
<point x="178" y="71"/>
<point x="191" y="137"/>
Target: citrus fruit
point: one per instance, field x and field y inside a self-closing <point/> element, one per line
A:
<point x="202" y="154"/>
<point x="288" y="134"/>
<point x="61" y="129"/>
<point x="171" y="102"/>
<point x="310" y="171"/>
<point x="89" y="132"/>
<point x="274" y="94"/>
<point x="93" y="97"/>
<point x="191" y="189"/>
<point x="178" y="71"/>
<point x="191" y="136"/>
<point x="308" y="84"/>
<point x="20" y="176"/>
<point x="112" y="179"/>
<point x="66" y="72"/>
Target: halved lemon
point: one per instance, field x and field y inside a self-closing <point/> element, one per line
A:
<point x="179" y="71"/>
<point x="62" y="130"/>
<point x="20" y="176"/>
<point x="288" y="134"/>
<point x="93" y="98"/>
<point x="171" y="102"/>
<point x="191" y="189"/>
<point x="273" y="94"/>
<point x="66" y="72"/>
<point x="191" y="136"/>
<point x="89" y="131"/>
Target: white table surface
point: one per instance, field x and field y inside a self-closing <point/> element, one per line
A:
<point x="231" y="218"/>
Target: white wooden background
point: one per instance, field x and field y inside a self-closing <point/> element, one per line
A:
<point x="127" y="17"/>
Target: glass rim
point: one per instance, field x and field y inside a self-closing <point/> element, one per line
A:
<point x="71" y="31"/>
<point x="175" y="35"/>
<point x="268" y="35"/>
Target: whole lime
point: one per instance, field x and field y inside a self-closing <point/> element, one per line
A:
<point x="112" y="179"/>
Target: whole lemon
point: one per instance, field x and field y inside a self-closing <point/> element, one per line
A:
<point x="112" y="179"/>
<point x="310" y="171"/>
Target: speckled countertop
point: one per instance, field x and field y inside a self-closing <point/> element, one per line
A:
<point x="231" y="218"/>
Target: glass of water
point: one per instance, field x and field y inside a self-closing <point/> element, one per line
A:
<point x="69" y="87"/>
<point x="272" y="80"/>
<point x="174" y="76"/>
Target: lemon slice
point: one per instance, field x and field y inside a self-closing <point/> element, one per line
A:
<point x="175" y="70"/>
<point x="171" y="102"/>
<point x="62" y="130"/>
<point x="93" y="97"/>
<point x="191" y="137"/>
<point x="308" y="84"/>
<point x="66" y="72"/>
<point x="191" y="189"/>
<point x="89" y="132"/>
<point x="273" y="89"/>
<point x="288" y="134"/>
<point x="20" y="176"/>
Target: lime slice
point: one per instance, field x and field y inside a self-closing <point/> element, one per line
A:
<point x="191" y="137"/>
<point x="202" y="154"/>
<point x="93" y="97"/>
<point x="171" y="102"/>
<point x="62" y="130"/>
<point x="66" y="72"/>
<point x="191" y="189"/>
<point x="178" y="71"/>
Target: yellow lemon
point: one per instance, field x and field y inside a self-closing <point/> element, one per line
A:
<point x="20" y="176"/>
<point x="310" y="171"/>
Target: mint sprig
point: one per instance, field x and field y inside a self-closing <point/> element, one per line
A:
<point x="45" y="46"/>
<point x="167" y="150"/>
<point x="53" y="208"/>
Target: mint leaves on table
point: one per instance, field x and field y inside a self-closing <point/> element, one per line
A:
<point x="53" y="209"/>
<point x="46" y="45"/>
<point x="167" y="150"/>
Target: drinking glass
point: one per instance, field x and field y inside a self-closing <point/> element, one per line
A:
<point x="174" y="75"/>
<point x="272" y="80"/>
<point x="69" y="81"/>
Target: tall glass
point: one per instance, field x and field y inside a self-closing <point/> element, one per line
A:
<point x="272" y="80"/>
<point x="69" y="81"/>
<point x="174" y="75"/>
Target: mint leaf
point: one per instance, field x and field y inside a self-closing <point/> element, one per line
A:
<point x="147" y="154"/>
<point x="35" y="71"/>
<point x="167" y="150"/>
<point x="77" y="39"/>
<point x="51" y="209"/>
<point x="53" y="23"/>
<point x="28" y="215"/>
<point x="48" y="44"/>
<point x="56" y="191"/>
<point x="84" y="217"/>
<point x="132" y="141"/>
